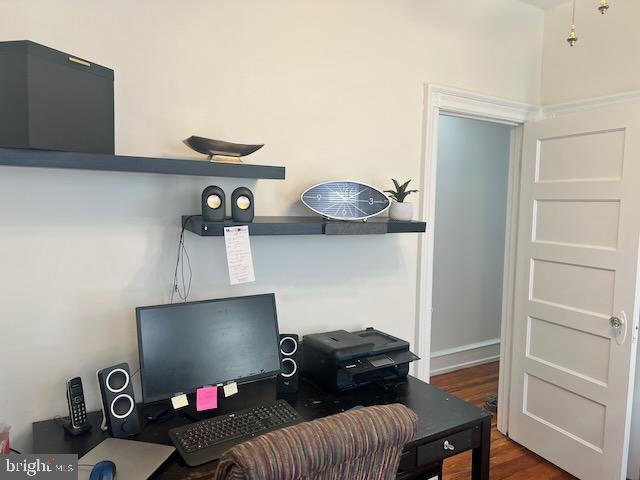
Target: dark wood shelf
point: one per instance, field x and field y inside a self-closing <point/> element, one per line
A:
<point x="22" y="157"/>
<point x="304" y="226"/>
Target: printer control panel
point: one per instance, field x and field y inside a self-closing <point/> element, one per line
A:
<point x="370" y="363"/>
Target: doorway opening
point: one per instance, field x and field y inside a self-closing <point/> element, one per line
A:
<point x="449" y="105"/>
<point x="469" y="230"/>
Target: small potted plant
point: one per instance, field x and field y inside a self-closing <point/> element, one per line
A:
<point x="400" y="210"/>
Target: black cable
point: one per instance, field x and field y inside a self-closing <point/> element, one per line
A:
<point x="188" y="416"/>
<point x="180" y="265"/>
<point x="15" y="451"/>
<point x="160" y="416"/>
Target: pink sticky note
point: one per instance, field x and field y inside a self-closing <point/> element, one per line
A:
<point x="206" y="398"/>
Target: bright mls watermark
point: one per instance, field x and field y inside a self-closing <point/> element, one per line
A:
<point x="45" y="466"/>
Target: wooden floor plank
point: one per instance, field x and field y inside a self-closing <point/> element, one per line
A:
<point x="508" y="459"/>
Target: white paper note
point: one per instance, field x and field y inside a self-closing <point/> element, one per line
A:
<point x="179" y="401"/>
<point x="239" y="259"/>
<point x="230" y="389"/>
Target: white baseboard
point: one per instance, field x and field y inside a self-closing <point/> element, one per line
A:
<point x="464" y="356"/>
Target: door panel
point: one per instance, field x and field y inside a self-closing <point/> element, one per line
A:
<point x="576" y="287"/>
<point x="578" y="223"/>
<point x="589" y="156"/>
<point x="555" y="416"/>
<point x="546" y="341"/>
<point x="577" y="266"/>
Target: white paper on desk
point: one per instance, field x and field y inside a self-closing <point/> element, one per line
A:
<point x="239" y="259"/>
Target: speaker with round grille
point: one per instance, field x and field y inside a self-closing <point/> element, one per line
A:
<point x="291" y="357"/>
<point x="213" y="204"/>
<point x="118" y="401"/>
<point x="242" y="209"/>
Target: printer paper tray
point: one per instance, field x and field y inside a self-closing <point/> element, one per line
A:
<point x="377" y="362"/>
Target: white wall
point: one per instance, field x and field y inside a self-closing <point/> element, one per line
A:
<point x="605" y="60"/>
<point x="471" y="204"/>
<point x="334" y="89"/>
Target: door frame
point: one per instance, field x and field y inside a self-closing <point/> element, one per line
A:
<point x="456" y="102"/>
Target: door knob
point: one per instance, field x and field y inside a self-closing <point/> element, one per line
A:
<point x="448" y="446"/>
<point x="619" y="324"/>
<point x="616" y="322"/>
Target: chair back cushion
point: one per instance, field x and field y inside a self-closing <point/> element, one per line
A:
<point x="362" y="444"/>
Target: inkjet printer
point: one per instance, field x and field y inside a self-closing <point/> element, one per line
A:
<point x="342" y="360"/>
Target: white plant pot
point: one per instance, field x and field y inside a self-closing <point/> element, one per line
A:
<point x="401" y="211"/>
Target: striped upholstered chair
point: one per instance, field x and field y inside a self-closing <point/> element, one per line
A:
<point x="363" y="444"/>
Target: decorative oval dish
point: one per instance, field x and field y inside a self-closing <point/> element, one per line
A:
<point x="212" y="147"/>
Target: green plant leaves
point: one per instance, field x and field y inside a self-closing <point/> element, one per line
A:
<point x="401" y="192"/>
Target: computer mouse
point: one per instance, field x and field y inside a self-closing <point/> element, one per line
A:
<point x="105" y="470"/>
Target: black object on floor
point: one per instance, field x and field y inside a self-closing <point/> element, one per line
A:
<point x="491" y="404"/>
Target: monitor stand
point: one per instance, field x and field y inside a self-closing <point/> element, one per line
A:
<point x="163" y="410"/>
<point x="249" y="395"/>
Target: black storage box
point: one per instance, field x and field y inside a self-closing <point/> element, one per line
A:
<point x="51" y="100"/>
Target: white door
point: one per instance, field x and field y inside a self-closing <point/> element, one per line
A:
<point x="577" y="267"/>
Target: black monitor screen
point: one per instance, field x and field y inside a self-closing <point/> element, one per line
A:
<point x="185" y="346"/>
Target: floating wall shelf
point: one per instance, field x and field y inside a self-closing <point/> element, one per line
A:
<point x="22" y="157"/>
<point x="304" y="226"/>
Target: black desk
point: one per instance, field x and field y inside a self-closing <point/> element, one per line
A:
<point x="442" y="418"/>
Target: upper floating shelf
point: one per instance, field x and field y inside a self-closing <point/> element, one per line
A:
<point x="304" y="226"/>
<point x="23" y="157"/>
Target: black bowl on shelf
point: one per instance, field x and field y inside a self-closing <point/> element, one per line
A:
<point x="212" y="148"/>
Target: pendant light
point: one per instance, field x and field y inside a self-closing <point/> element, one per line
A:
<point x="604" y="6"/>
<point x="573" y="37"/>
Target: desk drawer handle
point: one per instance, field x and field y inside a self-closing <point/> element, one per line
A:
<point x="448" y="446"/>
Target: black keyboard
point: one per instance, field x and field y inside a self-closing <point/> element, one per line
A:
<point x="207" y="440"/>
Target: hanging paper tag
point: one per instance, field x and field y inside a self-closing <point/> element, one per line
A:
<point x="239" y="259"/>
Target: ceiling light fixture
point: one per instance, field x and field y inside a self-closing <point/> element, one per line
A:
<point x="573" y="37"/>
<point x="604" y="6"/>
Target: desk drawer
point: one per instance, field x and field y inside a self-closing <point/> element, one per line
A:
<point x="448" y="446"/>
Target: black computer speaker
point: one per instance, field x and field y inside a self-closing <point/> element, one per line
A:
<point x="118" y="401"/>
<point x="291" y="356"/>
<point x="242" y="205"/>
<point x="213" y="204"/>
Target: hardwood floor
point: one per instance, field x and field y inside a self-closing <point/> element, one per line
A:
<point x="508" y="459"/>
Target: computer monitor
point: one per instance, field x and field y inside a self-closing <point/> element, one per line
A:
<point x="185" y="346"/>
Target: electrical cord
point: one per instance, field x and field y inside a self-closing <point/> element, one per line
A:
<point x="15" y="451"/>
<point x="103" y="424"/>
<point x="159" y="417"/>
<point x="182" y="260"/>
